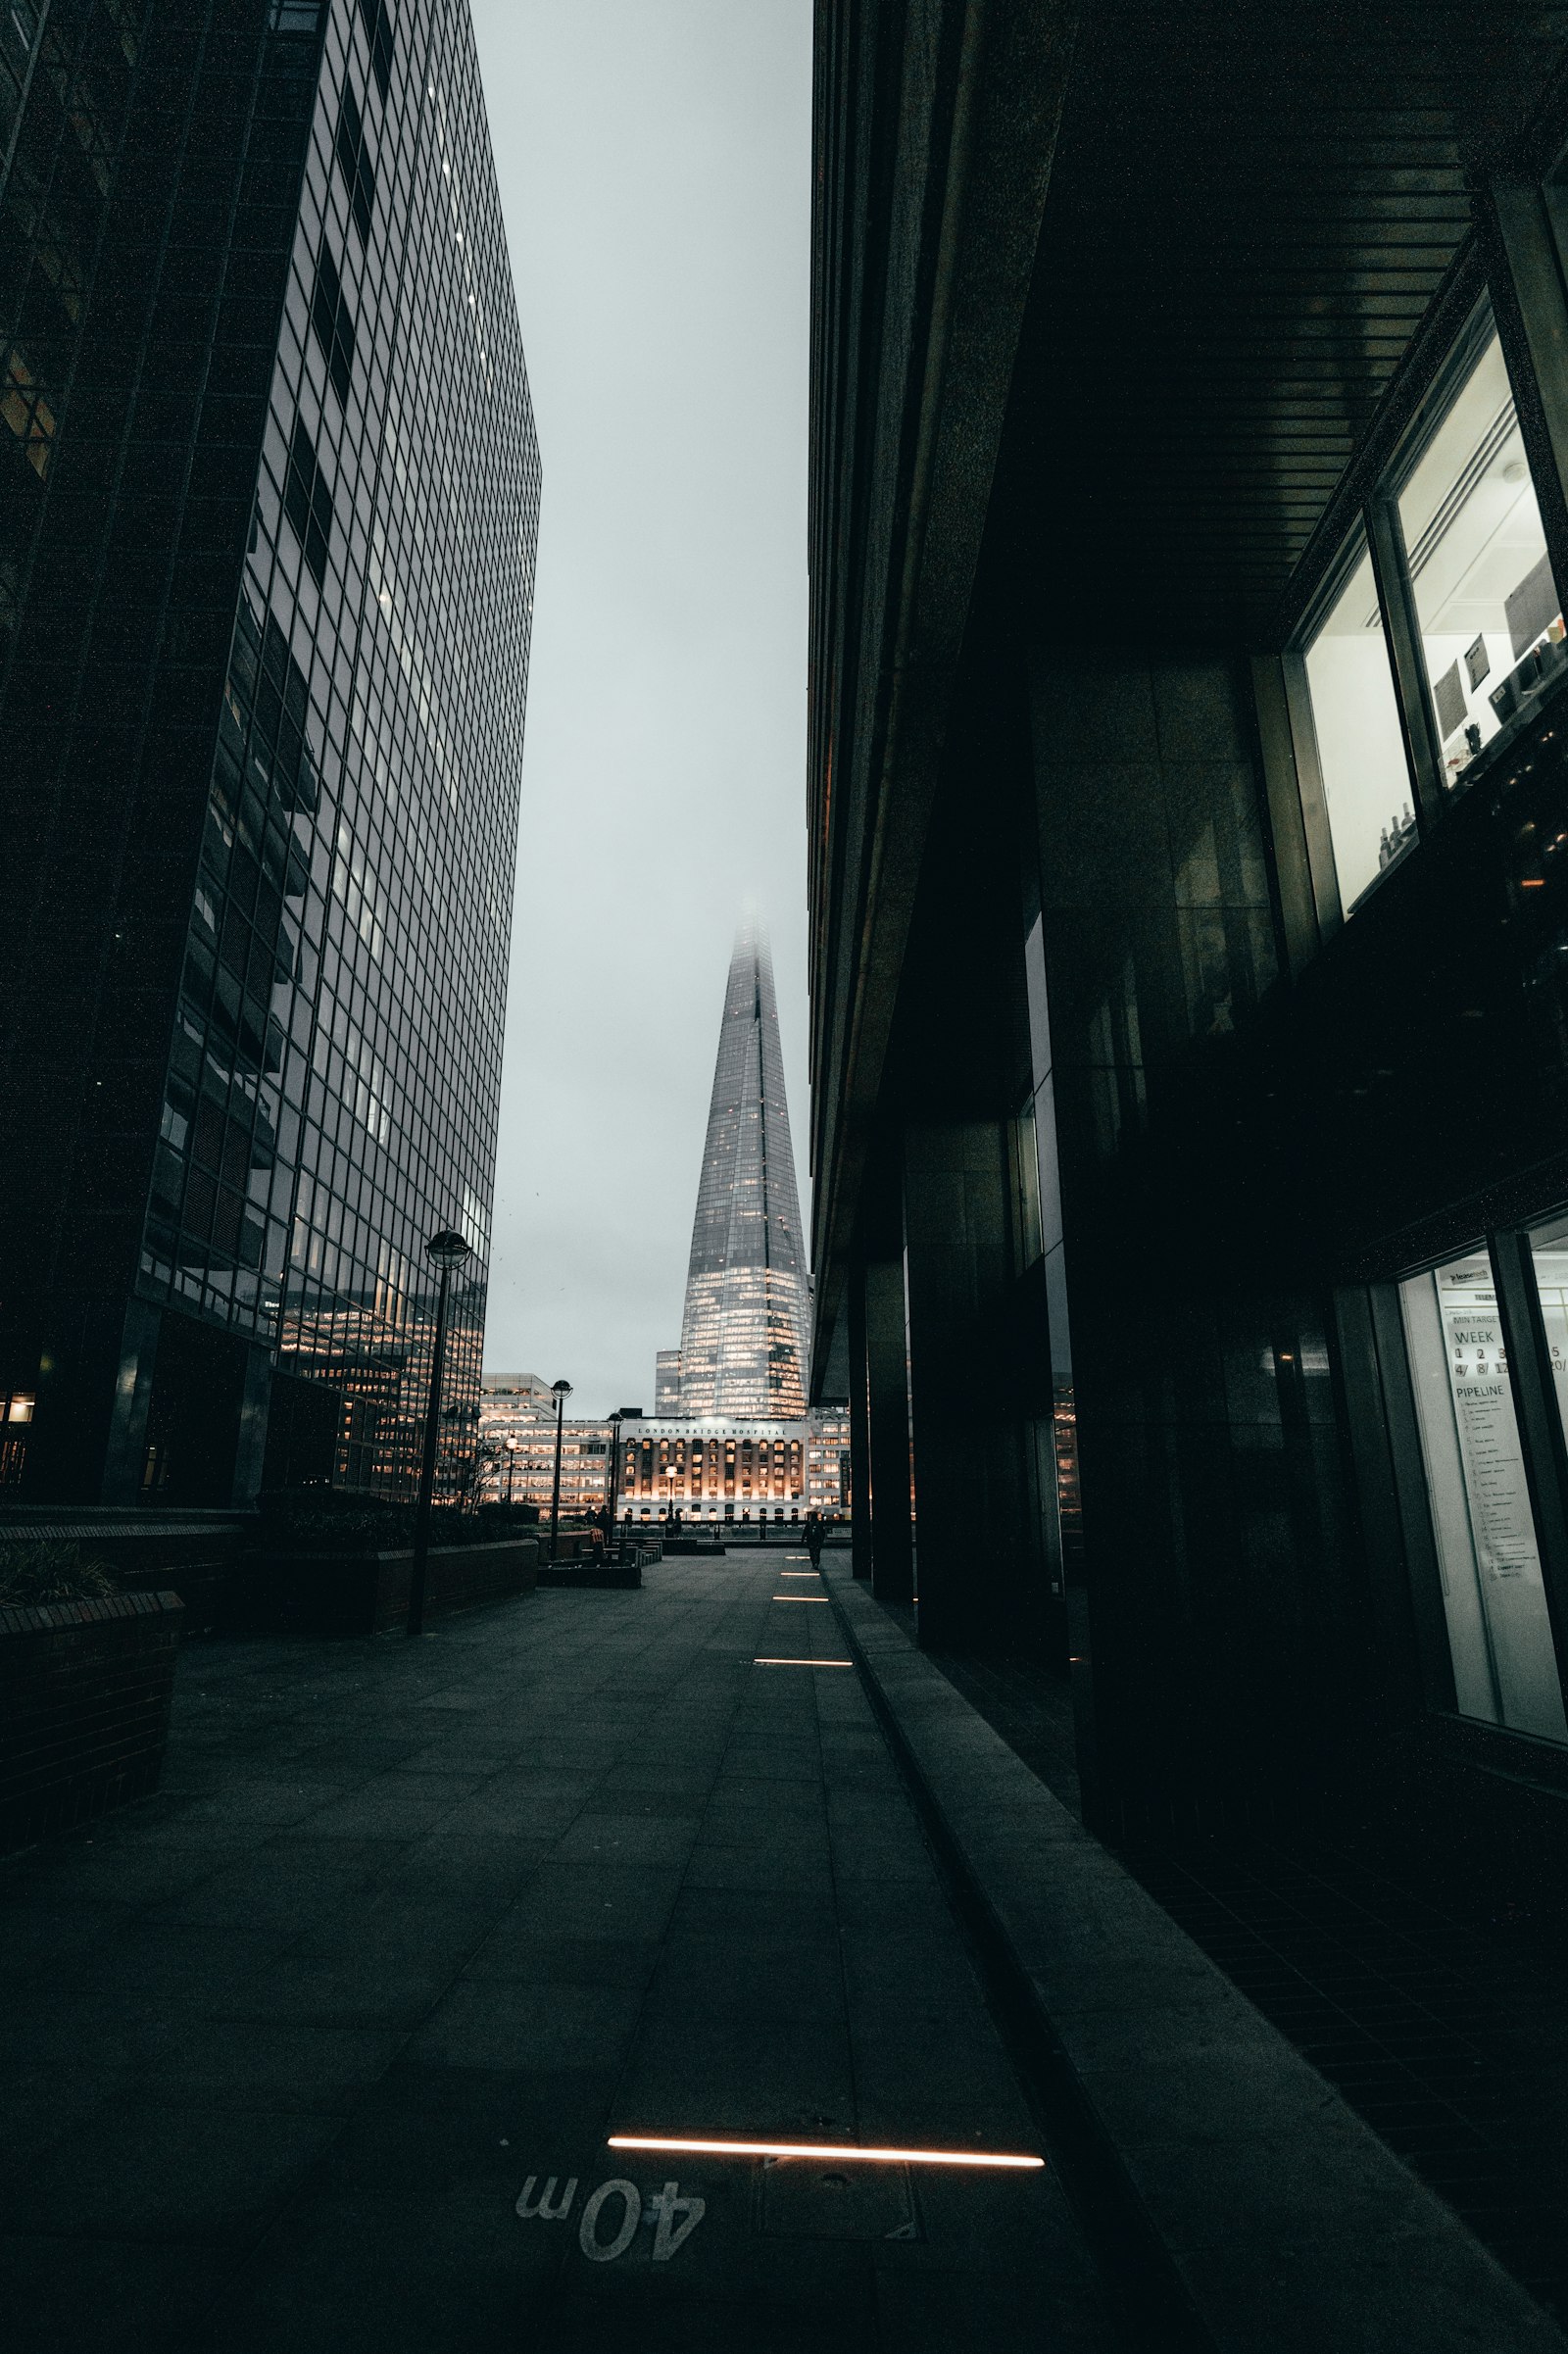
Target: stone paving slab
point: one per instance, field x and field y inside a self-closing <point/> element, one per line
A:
<point x="410" y="1927"/>
<point x="1291" y="2226"/>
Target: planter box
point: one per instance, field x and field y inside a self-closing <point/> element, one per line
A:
<point x="367" y="1594"/>
<point x="198" y="1555"/>
<point x="625" y="1571"/>
<point x="85" y="1699"/>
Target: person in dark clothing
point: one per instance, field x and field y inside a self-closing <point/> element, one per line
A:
<point x="816" y="1531"/>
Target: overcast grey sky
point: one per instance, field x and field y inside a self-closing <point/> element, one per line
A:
<point x="653" y="158"/>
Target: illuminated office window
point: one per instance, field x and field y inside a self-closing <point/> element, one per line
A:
<point x="1490" y="615"/>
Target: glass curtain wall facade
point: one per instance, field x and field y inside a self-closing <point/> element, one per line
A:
<point x="1196" y="1085"/>
<point x="320" y="929"/>
<point x="744" y="1333"/>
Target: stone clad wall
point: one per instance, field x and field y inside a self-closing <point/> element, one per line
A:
<point x="367" y="1594"/>
<point x="84" y="1700"/>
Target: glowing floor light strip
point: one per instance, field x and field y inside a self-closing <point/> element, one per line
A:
<point x="800" y="1573"/>
<point x="803" y="1663"/>
<point x="802" y="1597"/>
<point x="1016" y="2161"/>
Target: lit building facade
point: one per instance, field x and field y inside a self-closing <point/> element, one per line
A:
<point x="518" y="1447"/>
<point x="264" y="627"/>
<point x="723" y="1468"/>
<point x="743" y="1333"/>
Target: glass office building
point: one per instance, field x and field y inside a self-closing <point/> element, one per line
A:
<point x="744" y="1344"/>
<point x="518" y="1447"/>
<point x="266" y="581"/>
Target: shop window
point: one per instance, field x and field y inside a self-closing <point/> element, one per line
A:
<point x="1493" y="1596"/>
<point x="1486" y="606"/>
<point x="1354" y="715"/>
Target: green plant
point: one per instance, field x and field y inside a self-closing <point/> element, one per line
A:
<point x="317" y="1520"/>
<point x="51" y="1569"/>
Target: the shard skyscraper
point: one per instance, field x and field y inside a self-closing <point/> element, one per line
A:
<point x="744" y="1336"/>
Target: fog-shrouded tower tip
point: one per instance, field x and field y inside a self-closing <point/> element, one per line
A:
<point x="744" y="1336"/>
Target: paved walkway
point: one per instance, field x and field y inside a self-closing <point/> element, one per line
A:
<point x="411" y="1929"/>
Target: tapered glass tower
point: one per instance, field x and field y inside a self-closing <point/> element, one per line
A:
<point x="744" y="1333"/>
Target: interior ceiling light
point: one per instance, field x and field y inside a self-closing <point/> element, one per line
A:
<point x="1017" y="2161"/>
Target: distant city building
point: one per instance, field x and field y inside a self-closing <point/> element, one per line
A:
<point x="721" y="1468"/>
<point x="270" y="495"/>
<point x="517" y="1393"/>
<point x="744" y="1333"/>
<point x="734" y="1468"/>
<point x="517" y="1447"/>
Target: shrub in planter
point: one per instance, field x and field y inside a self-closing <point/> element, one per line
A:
<point x="331" y="1563"/>
<point x="327" y="1520"/>
<point x="322" y="1520"/>
<point x="49" y="1569"/>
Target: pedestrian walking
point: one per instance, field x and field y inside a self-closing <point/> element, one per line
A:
<point x="816" y="1531"/>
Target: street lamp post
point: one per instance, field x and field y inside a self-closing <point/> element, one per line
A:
<point x="446" y="1251"/>
<point x="562" y="1390"/>
<point x="512" y="1465"/>
<point x="612" y="1484"/>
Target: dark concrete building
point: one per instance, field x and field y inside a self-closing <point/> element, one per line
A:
<point x="1190" y="881"/>
<point x="267" y="535"/>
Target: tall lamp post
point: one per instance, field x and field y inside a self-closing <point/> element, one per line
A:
<point x="512" y="1465"/>
<point x="612" y="1484"/>
<point x="562" y="1390"/>
<point x="446" y="1251"/>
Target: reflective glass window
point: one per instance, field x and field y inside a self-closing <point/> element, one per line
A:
<point x="1361" y="745"/>
<point x="1493" y="1596"/>
<point x="1548" y="1248"/>
<point x="1487" y="604"/>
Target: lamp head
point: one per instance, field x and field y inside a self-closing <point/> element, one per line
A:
<point x="561" y="1389"/>
<point x="446" y="1249"/>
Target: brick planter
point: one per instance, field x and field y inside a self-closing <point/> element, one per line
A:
<point x="599" y="1575"/>
<point x="367" y="1594"/>
<point x="84" y="1697"/>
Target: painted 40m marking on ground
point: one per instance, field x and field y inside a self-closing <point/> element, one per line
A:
<point x="674" y="2218"/>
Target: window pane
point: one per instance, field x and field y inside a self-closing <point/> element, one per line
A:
<point x="1360" y="749"/>
<point x="1548" y="1247"/>
<point x="1489" y="610"/>
<point x="1499" y="1637"/>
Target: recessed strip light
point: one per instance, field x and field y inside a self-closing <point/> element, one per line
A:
<point x="799" y="1598"/>
<point x="803" y="1663"/>
<point x="800" y="1573"/>
<point x="1016" y="2161"/>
